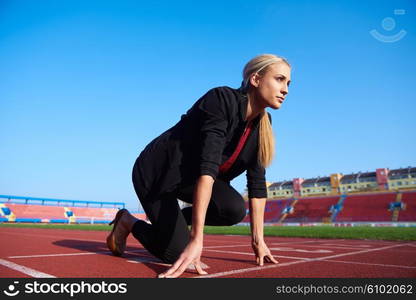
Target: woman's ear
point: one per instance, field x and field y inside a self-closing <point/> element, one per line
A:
<point x="254" y="79"/>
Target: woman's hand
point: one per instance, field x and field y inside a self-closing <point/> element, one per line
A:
<point x="191" y="254"/>
<point x="262" y="253"/>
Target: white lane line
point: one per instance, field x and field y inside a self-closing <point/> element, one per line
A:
<point x="287" y="249"/>
<point x="73" y="254"/>
<point x="335" y="247"/>
<point x="292" y="242"/>
<point x="24" y="270"/>
<point x="248" y="244"/>
<point x="227" y="246"/>
<point x="57" y="255"/>
<point x="144" y="250"/>
<point x="347" y="245"/>
<point x="71" y="238"/>
<point x="134" y="251"/>
<point x="239" y="271"/>
<point x="252" y="254"/>
<point x="224" y="240"/>
<point x="231" y="252"/>
<point x="338" y="247"/>
<point x="370" y="264"/>
<point x="156" y="261"/>
<point x="74" y="238"/>
<point x="48" y="236"/>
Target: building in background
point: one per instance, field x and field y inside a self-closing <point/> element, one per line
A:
<point x="379" y="180"/>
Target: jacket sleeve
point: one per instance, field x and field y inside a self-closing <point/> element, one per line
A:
<point x="256" y="178"/>
<point x="214" y="122"/>
<point x="256" y="181"/>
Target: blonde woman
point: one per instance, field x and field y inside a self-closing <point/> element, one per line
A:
<point x="226" y="132"/>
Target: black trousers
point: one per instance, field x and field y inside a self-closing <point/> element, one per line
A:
<point x="168" y="234"/>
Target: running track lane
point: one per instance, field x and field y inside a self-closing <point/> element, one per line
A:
<point x="34" y="252"/>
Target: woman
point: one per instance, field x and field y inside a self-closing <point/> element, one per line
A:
<point x="225" y="133"/>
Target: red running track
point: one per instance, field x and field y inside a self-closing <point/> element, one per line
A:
<point x="69" y="253"/>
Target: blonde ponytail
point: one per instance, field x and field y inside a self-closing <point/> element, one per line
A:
<point x="266" y="141"/>
<point x="266" y="146"/>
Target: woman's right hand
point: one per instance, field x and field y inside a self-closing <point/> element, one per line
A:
<point x="191" y="254"/>
<point x="262" y="253"/>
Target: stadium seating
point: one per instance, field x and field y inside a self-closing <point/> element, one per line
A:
<point x="374" y="207"/>
<point x="409" y="203"/>
<point x="316" y="209"/>
<point x="37" y="213"/>
<point x="93" y="214"/>
<point x="272" y="211"/>
<point x="60" y="214"/>
<point x="367" y="208"/>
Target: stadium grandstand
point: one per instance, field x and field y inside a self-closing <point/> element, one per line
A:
<point x="383" y="197"/>
<point x="46" y="210"/>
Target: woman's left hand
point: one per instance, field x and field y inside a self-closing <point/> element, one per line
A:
<point x="262" y="253"/>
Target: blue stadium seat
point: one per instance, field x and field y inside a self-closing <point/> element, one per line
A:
<point x="6" y="211"/>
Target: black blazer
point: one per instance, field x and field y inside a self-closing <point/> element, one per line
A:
<point x="204" y="138"/>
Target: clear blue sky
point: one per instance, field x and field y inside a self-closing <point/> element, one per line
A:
<point x="85" y="85"/>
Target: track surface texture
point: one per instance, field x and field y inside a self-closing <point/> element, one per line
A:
<point x="43" y="253"/>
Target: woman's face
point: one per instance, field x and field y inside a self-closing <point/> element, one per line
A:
<point x="272" y="87"/>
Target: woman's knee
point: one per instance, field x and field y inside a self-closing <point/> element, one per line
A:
<point x="239" y="214"/>
<point x="228" y="202"/>
<point x="235" y="213"/>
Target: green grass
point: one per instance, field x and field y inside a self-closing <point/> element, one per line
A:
<point x="360" y="232"/>
<point x="101" y="227"/>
